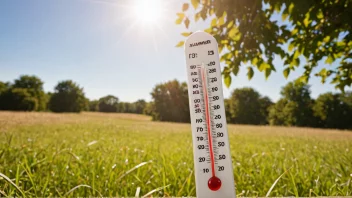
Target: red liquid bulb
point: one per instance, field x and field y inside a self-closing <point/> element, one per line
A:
<point x="214" y="183"/>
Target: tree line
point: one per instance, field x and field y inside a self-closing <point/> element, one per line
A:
<point x="248" y="106"/>
<point x="170" y="103"/>
<point x="27" y="94"/>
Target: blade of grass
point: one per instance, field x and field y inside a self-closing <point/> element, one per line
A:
<point x="132" y="169"/>
<point x="27" y="169"/>
<point x="3" y="193"/>
<point x="155" y="190"/>
<point x="184" y="183"/>
<point x="275" y="182"/>
<point x="294" y="184"/>
<point x="138" y="190"/>
<point x="13" y="184"/>
<point x="79" y="186"/>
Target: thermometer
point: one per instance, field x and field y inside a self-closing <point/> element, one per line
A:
<point x="212" y="158"/>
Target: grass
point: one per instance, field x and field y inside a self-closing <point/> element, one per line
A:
<point x="94" y="154"/>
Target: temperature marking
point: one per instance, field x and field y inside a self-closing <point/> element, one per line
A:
<point x="214" y="182"/>
<point x="211" y="148"/>
<point x="204" y="85"/>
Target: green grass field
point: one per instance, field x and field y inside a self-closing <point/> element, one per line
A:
<point x="94" y="154"/>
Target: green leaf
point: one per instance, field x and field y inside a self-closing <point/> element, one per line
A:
<point x="185" y="7"/>
<point x="267" y="73"/>
<point x="180" y="44"/>
<point x="306" y="21"/>
<point x="237" y="37"/>
<point x="294" y="31"/>
<point x="326" y="39"/>
<point x="186" y="34"/>
<point x="254" y="61"/>
<point x="287" y="72"/>
<point x="277" y="7"/>
<point x="178" y="21"/>
<point x="290" y="8"/>
<point x="296" y="54"/>
<point x="222" y="20"/>
<point x="180" y="18"/>
<point x="235" y="70"/>
<point x="250" y="73"/>
<point x="180" y="15"/>
<point x="290" y="47"/>
<point x="233" y="32"/>
<point x="227" y="80"/>
<point x="320" y="14"/>
<point x="195" y="3"/>
<point x="329" y="60"/>
<point x="214" y="22"/>
<point x="230" y="24"/>
<point x="284" y="16"/>
<point x="263" y="66"/>
<point x="196" y="17"/>
<point x="187" y="23"/>
<point x="323" y="74"/>
<point x="229" y="55"/>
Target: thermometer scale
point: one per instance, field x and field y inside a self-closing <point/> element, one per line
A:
<point x="212" y="158"/>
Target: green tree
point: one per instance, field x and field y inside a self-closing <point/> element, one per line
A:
<point x="227" y="110"/>
<point x="248" y="107"/>
<point x="265" y="104"/>
<point x="108" y="103"/>
<point x="170" y="101"/>
<point x="128" y="107"/>
<point x="94" y="105"/>
<point x="4" y="88"/>
<point x="149" y="109"/>
<point x="294" y="108"/>
<point x="67" y="97"/>
<point x="333" y="111"/>
<point x="250" y="35"/>
<point x="140" y="106"/>
<point x="34" y="87"/>
<point x="19" y="99"/>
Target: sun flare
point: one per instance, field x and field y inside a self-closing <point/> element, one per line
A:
<point x="148" y="11"/>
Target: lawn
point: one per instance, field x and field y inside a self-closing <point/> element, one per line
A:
<point x="95" y="154"/>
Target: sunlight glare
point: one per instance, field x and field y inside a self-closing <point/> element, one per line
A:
<point x="148" y="11"/>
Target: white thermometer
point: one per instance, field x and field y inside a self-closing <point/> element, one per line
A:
<point x="211" y="148"/>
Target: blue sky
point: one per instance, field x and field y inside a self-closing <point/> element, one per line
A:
<point x="99" y="45"/>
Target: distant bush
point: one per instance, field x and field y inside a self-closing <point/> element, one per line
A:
<point x="247" y="106"/>
<point x="108" y="104"/>
<point x="170" y="102"/>
<point x="67" y="97"/>
<point x="333" y="111"/>
<point x="294" y="108"/>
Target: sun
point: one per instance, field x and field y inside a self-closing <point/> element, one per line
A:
<point x="148" y="12"/>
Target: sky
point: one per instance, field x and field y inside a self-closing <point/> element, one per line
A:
<point x="108" y="49"/>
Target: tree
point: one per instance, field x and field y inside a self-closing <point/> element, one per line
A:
<point x="227" y="110"/>
<point x="170" y="101"/>
<point x="108" y="103"/>
<point x="4" y="88"/>
<point x="19" y="99"/>
<point x="34" y="87"/>
<point x="140" y="106"/>
<point x="94" y="105"/>
<point x="127" y="107"/>
<point x="149" y="109"/>
<point x="294" y="108"/>
<point x="333" y="111"/>
<point x="265" y="104"/>
<point x="250" y="35"/>
<point x="247" y="107"/>
<point x="67" y="97"/>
